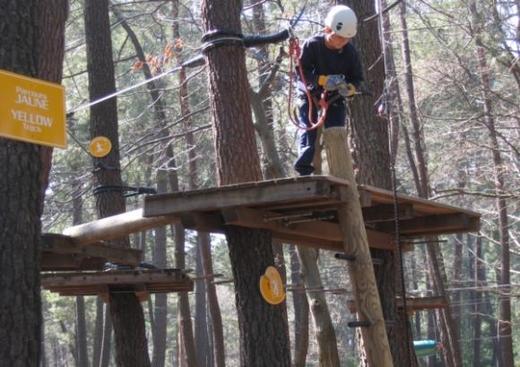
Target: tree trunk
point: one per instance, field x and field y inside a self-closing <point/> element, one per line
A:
<point x="98" y="333"/>
<point x="81" y="333"/>
<point x="51" y="49"/>
<point x="452" y="352"/>
<point x="23" y="51"/>
<point x="130" y="337"/>
<point x="102" y="336"/>
<point x="183" y="306"/>
<point x="263" y="332"/>
<point x="301" y="312"/>
<point x="160" y="314"/>
<point x="477" y="300"/>
<point x="325" y="335"/>
<point x="309" y="273"/>
<point x="159" y="331"/>
<point x="219" y="352"/>
<point x="452" y="356"/>
<point x="372" y="158"/>
<point x="81" y="328"/>
<point x="504" y="323"/>
<point x="456" y="282"/>
<point x="202" y="346"/>
<point x="188" y="351"/>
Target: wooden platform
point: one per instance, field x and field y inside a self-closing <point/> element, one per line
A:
<point x="141" y="282"/>
<point x="302" y="211"/>
<point x="61" y="252"/>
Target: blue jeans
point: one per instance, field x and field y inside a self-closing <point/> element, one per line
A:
<point x="336" y="114"/>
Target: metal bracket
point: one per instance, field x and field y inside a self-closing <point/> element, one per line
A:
<point x="345" y="257"/>
<point x="359" y="323"/>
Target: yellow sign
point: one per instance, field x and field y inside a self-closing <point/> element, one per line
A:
<point x="32" y="110"/>
<point x="271" y="286"/>
<point x="100" y="146"/>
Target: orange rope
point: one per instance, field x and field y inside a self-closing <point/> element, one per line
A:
<point x="294" y="54"/>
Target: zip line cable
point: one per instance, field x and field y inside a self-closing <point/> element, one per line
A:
<point x="124" y="90"/>
<point x="195" y="61"/>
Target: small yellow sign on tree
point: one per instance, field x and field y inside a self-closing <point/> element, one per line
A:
<point x="100" y="146"/>
<point x="32" y="110"/>
<point x="271" y="286"/>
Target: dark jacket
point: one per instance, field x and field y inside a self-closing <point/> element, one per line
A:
<point x="316" y="59"/>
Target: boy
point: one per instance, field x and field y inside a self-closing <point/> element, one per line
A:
<point x="329" y="63"/>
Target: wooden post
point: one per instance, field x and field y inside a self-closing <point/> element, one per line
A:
<point x="361" y="271"/>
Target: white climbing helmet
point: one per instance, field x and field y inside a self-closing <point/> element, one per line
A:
<point x="342" y="20"/>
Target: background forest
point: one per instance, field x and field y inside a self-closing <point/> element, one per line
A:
<point x="452" y="96"/>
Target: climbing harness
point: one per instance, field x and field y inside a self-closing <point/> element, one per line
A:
<point x="323" y="103"/>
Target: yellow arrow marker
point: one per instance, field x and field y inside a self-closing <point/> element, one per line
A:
<point x="100" y="146"/>
<point x="271" y="286"/>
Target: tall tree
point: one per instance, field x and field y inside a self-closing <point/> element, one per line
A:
<point x="504" y="323"/>
<point x="187" y="351"/>
<point x="418" y="162"/>
<point x="81" y="327"/>
<point x="159" y="252"/>
<point x="372" y="158"/>
<point x="308" y="272"/>
<point x="263" y="334"/>
<point x="25" y="169"/>
<point x="130" y="337"/>
<point x="51" y="49"/>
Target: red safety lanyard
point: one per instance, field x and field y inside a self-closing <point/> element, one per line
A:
<point x="294" y="55"/>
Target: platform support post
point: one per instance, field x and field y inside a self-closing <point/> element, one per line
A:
<point x="361" y="271"/>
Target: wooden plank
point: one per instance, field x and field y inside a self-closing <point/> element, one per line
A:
<point x="385" y="212"/>
<point x="207" y="222"/>
<point x="116" y="226"/>
<point x="112" y="278"/>
<point x="60" y="262"/>
<point x="420" y="204"/>
<point x="64" y="245"/>
<point x="319" y="234"/>
<point x="422" y="303"/>
<point x="279" y="191"/>
<point x="319" y="204"/>
<point x="433" y="225"/>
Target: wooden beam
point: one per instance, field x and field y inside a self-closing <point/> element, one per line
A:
<point x="286" y="191"/>
<point x="61" y="262"/>
<point x="422" y="303"/>
<point x="355" y="242"/>
<point x="317" y="234"/>
<point x="207" y="222"/>
<point x="412" y="303"/>
<point x="141" y="292"/>
<point x="433" y="225"/>
<point x="385" y="212"/>
<point x="116" y="226"/>
<point x="54" y="243"/>
<point x="114" y="277"/>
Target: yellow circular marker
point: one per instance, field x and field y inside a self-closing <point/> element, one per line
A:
<point x="271" y="286"/>
<point x="100" y="146"/>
